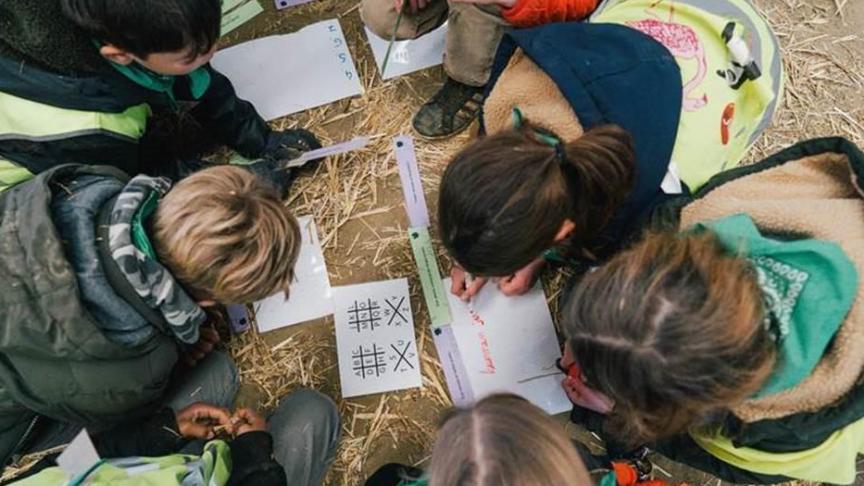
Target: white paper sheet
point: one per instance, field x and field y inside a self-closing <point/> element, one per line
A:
<point x="310" y="295"/>
<point x="286" y="74"/>
<point x="79" y="456"/>
<point x="506" y="343"/>
<point x="375" y="338"/>
<point x="410" y="55"/>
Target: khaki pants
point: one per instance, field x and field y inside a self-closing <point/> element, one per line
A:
<point x="472" y="39"/>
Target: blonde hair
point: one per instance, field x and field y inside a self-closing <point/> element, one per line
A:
<point x="226" y="236"/>
<point x="504" y="441"/>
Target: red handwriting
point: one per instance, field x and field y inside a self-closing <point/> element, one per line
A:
<point x="475" y="318"/>
<point x="488" y="362"/>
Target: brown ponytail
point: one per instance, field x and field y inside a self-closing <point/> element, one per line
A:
<point x="504" y="198"/>
<point x="672" y="331"/>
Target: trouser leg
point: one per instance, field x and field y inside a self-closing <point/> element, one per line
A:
<point x="473" y="36"/>
<point x="214" y="380"/>
<point x="305" y="429"/>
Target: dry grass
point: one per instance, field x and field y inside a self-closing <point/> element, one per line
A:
<point x="356" y="201"/>
<point x="824" y="81"/>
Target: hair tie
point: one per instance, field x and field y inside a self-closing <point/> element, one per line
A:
<point x="571" y="173"/>
<point x="561" y="153"/>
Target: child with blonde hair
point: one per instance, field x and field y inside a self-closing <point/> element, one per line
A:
<point x="503" y="440"/>
<point x="105" y="281"/>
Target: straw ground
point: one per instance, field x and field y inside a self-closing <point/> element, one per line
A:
<point x="357" y="203"/>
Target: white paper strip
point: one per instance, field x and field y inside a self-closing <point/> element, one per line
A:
<point x="410" y="55"/>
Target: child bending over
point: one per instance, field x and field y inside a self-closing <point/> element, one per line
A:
<point x="503" y="440"/>
<point x="731" y="342"/>
<point x="105" y="281"/>
<point x="79" y="80"/>
<point x="529" y="192"/>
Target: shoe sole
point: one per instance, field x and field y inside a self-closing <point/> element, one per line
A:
<point x="433" y="138"/>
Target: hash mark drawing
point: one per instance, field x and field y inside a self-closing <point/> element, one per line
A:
<point x="363" y="316"/>
<point x="369" y="362"/>
<point x="375" y="338"/>
<point x="401" y="356"/>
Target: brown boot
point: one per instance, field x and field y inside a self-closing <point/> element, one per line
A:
<point x="450" y="111"/>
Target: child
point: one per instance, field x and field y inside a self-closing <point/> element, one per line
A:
<point x="556" y="83"/>
<point x="502" y="440"/>
<point x="734" y="347"/>
<point x="262" y="452"/>
<point x="105" y="281"/>
<point x="80" y="78"/>
<point x="474" y="30"/>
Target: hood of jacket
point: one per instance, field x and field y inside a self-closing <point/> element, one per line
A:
<point x="55" y="359"/>
<point x="75" y="212"/>
<point x="36" y="32"/>
<point x="821" y="198"/>
<point x="47" y="59"/>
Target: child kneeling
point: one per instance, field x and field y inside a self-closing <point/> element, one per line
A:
<point x="105" y="281"/>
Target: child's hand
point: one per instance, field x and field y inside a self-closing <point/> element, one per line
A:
<point x="203" y="421"/>
<point x="460" y="286"/>
<point x="523" y="280"/>
<point x="413" y="5"/>
<point x="248" y="420"/>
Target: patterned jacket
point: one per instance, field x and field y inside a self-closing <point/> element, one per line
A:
<point x="83" y="338"/>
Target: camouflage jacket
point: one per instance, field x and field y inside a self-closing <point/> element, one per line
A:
<point x="54" y="359"/>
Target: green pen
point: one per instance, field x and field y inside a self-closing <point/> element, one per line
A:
<point x="393" y="37"/>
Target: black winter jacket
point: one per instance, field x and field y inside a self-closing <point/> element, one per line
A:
<point x="46" y="59"/>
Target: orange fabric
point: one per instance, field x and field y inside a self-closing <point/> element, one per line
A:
<point x="625" y="474"/>
<point x="531" y="13"/>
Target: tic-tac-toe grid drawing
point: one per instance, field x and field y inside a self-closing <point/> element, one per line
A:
<point x="375" y="338"/>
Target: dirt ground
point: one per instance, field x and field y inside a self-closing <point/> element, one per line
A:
<point x="357" y="202"/>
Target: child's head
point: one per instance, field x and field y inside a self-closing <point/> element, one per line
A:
<point x="172" y="37"/>
<point x="504" y="440"/>
<point x="672" y="330"/>
<point x="509" y="197"/>
<point x="226" y="236"/>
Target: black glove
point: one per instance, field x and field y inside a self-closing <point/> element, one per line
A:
<point x="289" y="144"/>
<point x="282" y="147"/>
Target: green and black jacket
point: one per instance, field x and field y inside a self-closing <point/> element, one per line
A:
<point x="60" y="102"/>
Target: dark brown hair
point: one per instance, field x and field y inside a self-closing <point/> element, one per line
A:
<point x="504" y="441"/>
<point x="151" y="26"/>
<point x="671" y="330"/>
<point x="504" y="198"/>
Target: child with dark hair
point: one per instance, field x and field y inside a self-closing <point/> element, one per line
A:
<point x="733" y="346"/>
<point x="552" y="182"/>
<point x="79" y="80"/>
